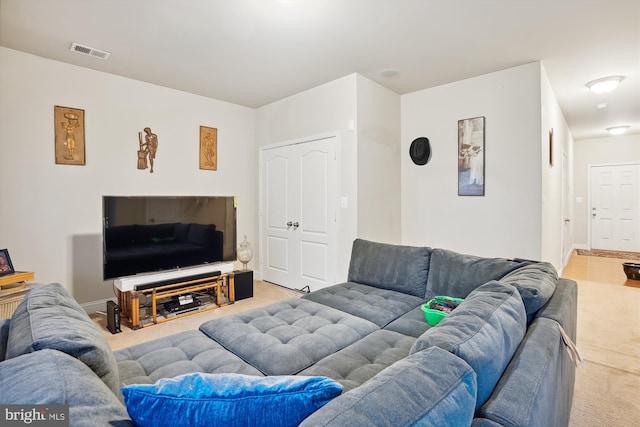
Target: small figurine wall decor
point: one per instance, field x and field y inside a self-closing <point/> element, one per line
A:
<point x="208" y="148"/>
<point x="69" y="136"/>
<point x="147" y="149"/>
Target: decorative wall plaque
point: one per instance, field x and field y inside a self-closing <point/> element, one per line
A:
<point x="69" y="135"/>
<point x="208" y="148"/>
<point x="148" y="146"/>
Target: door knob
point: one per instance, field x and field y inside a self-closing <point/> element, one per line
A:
<point x="567" y="221"/>
<point x="289" y="224"/>
<point x="593" y="212"/>
<point x="296" y="225"/>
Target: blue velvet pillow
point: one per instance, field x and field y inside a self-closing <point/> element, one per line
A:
<point x="228" y="399"/>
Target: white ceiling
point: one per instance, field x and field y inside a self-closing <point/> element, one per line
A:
<point x="253" y="52"/>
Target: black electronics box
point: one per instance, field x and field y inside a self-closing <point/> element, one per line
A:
<point x="243" y="284"/>
<point x="113" y="317"/>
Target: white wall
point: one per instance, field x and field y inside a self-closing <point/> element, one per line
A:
<point x="50" y="215"/>
<point x="329" y="108"/>
<point x="506" y="222"/>
<point x="378" y="162"/>
<point x="597" y="151"/>
<point x="553" y="198"/>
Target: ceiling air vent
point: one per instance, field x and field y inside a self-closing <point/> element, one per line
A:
<point x="86" y="50"/>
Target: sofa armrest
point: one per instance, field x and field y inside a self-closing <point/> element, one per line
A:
<point x="563" y="306"/>
<point x="536" y="389"/>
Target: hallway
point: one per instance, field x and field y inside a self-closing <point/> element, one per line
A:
<point x="608" y="338"/>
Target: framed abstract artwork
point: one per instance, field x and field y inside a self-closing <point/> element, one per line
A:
<point x="471" y="157"/>
<point x="69" y="135"/>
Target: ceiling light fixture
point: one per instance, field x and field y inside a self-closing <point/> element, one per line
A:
<point x="617" y="130"/>
<point x="605" y="84"/>
<point x="389" y="72"/>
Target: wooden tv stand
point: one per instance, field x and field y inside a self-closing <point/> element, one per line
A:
<point x="210" y="287"/>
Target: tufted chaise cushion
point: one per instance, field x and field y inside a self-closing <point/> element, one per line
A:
<point x="177" y="354"/>
<point x="411" y="323"/>
<point x="285" y="337"/>
<point x="394" y="267"/>
<point x="376" y="305"/>
<point x="361" y="361"/>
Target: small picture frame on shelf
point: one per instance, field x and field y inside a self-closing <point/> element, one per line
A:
<point x="208" y="148"/>
<point x="5" y="263"/>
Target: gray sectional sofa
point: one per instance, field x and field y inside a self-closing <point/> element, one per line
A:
<point x="497" y="360"/>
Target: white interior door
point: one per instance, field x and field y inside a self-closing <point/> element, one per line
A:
<point x="298" y="215"/>
<point x="615" y="207"/>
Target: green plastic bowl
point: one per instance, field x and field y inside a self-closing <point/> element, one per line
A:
<point x="433" y="316"/>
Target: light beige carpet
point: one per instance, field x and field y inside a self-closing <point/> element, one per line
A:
<point x="605" y="397"/>
<point x="607" y="388"/>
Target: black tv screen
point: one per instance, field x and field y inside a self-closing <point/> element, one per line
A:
<point x="154" y="233"/>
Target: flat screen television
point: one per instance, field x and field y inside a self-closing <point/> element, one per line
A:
<point x="144" y="234"/>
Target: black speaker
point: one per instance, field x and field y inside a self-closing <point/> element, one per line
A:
<point x="243" y="284"/>
<point x="113" y="317"/>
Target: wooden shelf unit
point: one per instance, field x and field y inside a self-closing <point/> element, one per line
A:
<point x="129" y="301"/>
<point x="13" y="287"/>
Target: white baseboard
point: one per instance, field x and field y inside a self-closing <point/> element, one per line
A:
<point x="579" y="246"/>
<point x="99" y="306"/>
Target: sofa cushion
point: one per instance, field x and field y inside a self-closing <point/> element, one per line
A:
<point x="48" y="317"/>
<point x="429" y="388"/>
<point x="362" y="360"/>
<point x="456" y="275"/>
<point x="536" y="388"/>
<point x="285" y="337"/>
<point x="485" y="330"/>
<point x="412" y="323"/>
<point x="536" y="283"/>
<point x="376" y="305"/>
<point x="398" y="268"/>
<point x="4" y="335"/>
<point x="228" y="400"/>
<point x="181" y="353"/>
<point x="52" y="377"/>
